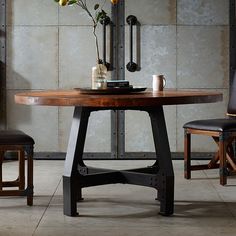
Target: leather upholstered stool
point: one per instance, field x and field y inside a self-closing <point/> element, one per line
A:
<point x="23" y="144"/>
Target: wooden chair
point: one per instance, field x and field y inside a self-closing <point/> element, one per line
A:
<point x="22" y="144"/>
<point x="223" y="131"/>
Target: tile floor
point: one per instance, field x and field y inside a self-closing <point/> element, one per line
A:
<point x="202" y="206"/>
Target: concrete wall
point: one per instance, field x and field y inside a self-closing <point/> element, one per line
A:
<point x="51" y="47"/>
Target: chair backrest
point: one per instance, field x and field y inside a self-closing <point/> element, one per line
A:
<point x="231" y="110"/>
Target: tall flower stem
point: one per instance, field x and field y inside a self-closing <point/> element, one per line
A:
<point x="96" y="44"/>
<point x="83" y="5"/>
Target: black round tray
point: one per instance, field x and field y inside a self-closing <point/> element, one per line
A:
<point x="111" y="90"/>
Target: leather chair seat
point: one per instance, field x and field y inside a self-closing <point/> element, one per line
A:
<point x="15" y="137"/>
<point x="223" y="132"/>
<point x="219" y="125"/>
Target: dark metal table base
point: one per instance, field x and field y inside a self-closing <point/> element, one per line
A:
<point x="77" y="175"/>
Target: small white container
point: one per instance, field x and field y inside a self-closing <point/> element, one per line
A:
<point x="158" y="82"/>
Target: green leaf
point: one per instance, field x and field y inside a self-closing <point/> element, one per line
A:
<point x="98" y="16"/>
<point x="96" y="6"/>
<point x="56" y="0"/>
<point x="71" y="2"/>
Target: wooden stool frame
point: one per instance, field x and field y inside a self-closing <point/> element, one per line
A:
<point x="223" y="158"/>
<point x="23" y="151"/>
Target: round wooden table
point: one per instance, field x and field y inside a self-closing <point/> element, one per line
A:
<point x="143" y="99"/>
<point x="77" y="175"/>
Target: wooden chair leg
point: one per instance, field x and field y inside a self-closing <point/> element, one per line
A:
<point x="230" y="150"/>
<point x="230" y="161"/>
<point x="30" y="186"/>
<point x="223" y="164"/>
<point x="187" y="155"/>
<point x="214" y="160"/>
<point x="230" y="156"/>
<point x="21" y="179"/>
<point x="1" y="162"/>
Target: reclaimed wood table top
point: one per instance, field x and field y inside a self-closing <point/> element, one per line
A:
<point x="148" y="98"/>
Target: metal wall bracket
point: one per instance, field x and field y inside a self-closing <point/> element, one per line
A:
<point x="232" y="42"/>
<point x="118" y="15"/>
<point x="2" y="64"/>
<point x="232" y="46"/>
<point x="117" y="134"/>
<point x="118" y="73"/>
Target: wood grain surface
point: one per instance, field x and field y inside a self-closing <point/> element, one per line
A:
<point x="142" y="99"/>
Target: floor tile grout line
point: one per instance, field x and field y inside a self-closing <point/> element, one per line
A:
<point x="223" y="201"/>
<point x="176" y="72"/>
<point x="46" y="207"/>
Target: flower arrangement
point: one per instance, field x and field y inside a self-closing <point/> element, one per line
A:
<point x="99" y="72"/>
<point x="99" y="15"/>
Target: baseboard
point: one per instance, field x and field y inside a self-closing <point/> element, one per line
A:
<point x="107" y="156"/>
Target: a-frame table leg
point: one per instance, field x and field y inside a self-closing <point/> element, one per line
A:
<point x="71" y="185"/>
<point x="164" y="162"/>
